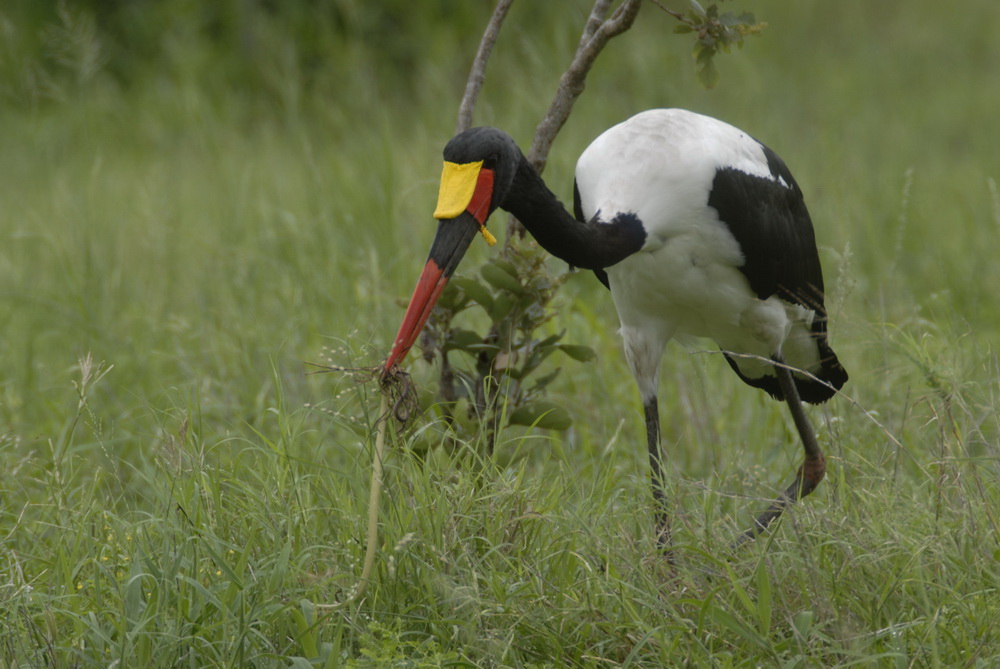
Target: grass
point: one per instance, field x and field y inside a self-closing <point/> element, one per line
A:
<point x="176" y="490"/>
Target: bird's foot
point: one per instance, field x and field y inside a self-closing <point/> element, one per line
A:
<point x="808" y="477"/>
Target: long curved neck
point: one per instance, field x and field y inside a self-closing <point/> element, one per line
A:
<point x="588" y="245"/>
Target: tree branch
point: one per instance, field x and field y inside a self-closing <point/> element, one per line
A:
<point x="594" y="22"/>
<point x="478" y="72"/>
<point x="595" y="37"/>
<point x="596" y="34"/>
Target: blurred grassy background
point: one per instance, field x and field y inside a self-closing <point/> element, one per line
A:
<point x="205" y="195"/>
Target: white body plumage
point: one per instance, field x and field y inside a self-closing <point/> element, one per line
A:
<point x="686" y="280"/>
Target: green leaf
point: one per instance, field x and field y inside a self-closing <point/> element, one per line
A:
<point x="697" y="8"/>
<point x="306" y="634"/>
<point x="708" y="75"/>
<point x="541" y="414"/>
<point x="578" y="352"/>
<point x="462" y="339"/>
<point x="280" y="568"/>
<point x="551" y="340"/>
<point x="764" y="599"/>
<point x="501" y="306"/>
<point x="802" y="623"/>
<point x="545" y="380"/>
<point x="450" y="297"/>
<point x="542" y="349"/>
<point x="530" y="304"/>
<point x="742" y="596"/>
<point x="536" y="358"/>
<point x="498" y="278"/>
<point x="725" y="619"/>
<point x="475" y="290"/>
<point x="506" y="266"/>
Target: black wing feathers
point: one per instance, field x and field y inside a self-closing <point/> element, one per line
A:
<point x="769" y="219"/>
<point x="770" y="222"/>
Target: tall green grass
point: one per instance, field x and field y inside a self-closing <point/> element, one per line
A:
<point x="177" y="490"/>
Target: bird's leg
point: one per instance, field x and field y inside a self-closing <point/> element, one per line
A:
<point x="813" y="468"/>
<point x="650" y="407"/>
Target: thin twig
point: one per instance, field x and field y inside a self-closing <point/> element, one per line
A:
<point x="677" y="15"/>
<point x="573" y="80"/>
<point x="374" y="494"/>
<point x="478" y="72"/>
<point x="595" y="37"/>
<point x="373" y="497"/>
<point x="594" y="22"/>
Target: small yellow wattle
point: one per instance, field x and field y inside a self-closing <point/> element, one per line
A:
<point x="488" y="236"/>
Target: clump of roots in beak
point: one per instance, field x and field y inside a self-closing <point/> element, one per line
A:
<point x="394" y="382"/>
<point x="397" y="384"/>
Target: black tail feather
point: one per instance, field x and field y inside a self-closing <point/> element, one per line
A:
<point x="831" y="377"/>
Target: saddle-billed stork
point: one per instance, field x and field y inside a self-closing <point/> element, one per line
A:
<point x="697" y="228"/>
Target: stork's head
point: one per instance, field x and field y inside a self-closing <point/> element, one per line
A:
<point x="479" y="168"/>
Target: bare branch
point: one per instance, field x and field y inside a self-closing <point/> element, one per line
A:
<point x="596" y="35"/>
<point x="478" y="72"/>
<point x="573" y="80"/>
<point x="594" y="22"/>
<point x="677" y="15"/>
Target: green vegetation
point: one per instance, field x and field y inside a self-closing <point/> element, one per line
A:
<point x="194" y="203"/>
